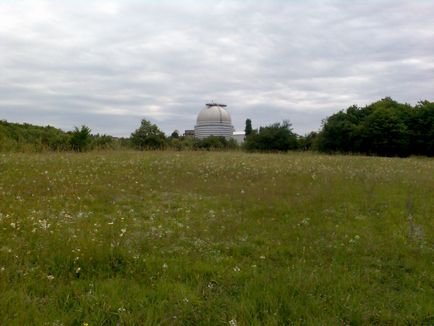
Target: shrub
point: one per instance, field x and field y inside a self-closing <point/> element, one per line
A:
<point x="80" y="138"/>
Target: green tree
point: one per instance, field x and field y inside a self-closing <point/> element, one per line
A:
<point x="337" y="133"/>
<point x="80" y="138"/>
<point x="384" y="133"/>
<point x="148" y="136"/>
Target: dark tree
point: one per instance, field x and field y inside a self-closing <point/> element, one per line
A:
<point x="384" y="133"/>
<point x="175" y="134"/>
<point x="421" y="129"/>
<point x="337" y="133"/>
<point x="248" y="130"/>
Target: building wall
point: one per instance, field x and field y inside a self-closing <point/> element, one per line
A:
<point x="239" y="138"/>
<point x="204" y="130"/>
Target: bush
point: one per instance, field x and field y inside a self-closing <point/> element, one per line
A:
<point x="215" y="143"/>
<point x="102" y="142"/>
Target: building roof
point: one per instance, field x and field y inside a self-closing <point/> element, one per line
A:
<point x="213" y="113"/>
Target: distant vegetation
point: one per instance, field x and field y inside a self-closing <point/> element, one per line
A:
<point x="15" y="137"/>
<point x="384" y="128"/>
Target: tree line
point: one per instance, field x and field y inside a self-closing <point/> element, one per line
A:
<point x="385" y="128"/>
<point x="15" y="137"/>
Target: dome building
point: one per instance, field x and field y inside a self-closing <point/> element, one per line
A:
<point x="213" y="120"/>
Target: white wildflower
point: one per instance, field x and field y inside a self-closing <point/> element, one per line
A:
<point x="233" y="322"/>
<point x="43" y="224"/>
<point x="50" y="277"/>
<point x="236" y="269"/>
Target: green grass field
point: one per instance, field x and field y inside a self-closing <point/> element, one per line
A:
<point x="202" y="238"/>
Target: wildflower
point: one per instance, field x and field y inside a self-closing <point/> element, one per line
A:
<point x="44" y="224"/>
<point x="13" y="225"/>
<point x="262" y="257"/>
<point x="165" y="266"/>
<point x="123" y="232"/>
<point x="233" y="322"/>
<point x="185" y="300"/>
<point x="78" y="270"/>
<point x="50" y="277"/>
<point x="236" y="269"/>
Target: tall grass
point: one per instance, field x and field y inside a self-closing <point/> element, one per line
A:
<point x="215" y="238"/>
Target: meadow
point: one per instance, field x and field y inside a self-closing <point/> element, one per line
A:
<point x="215" y="238"/>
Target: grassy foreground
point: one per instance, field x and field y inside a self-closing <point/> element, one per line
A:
<point x="198" y="238"/>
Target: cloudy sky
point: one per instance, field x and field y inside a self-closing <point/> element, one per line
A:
<point x="108" y="64"/>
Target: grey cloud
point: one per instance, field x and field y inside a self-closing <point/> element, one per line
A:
<point x="108" y="64"/>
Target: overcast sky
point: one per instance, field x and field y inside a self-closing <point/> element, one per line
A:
<point x="108" y="64"/>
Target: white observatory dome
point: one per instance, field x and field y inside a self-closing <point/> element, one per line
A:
<point x="213" y="120"/>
